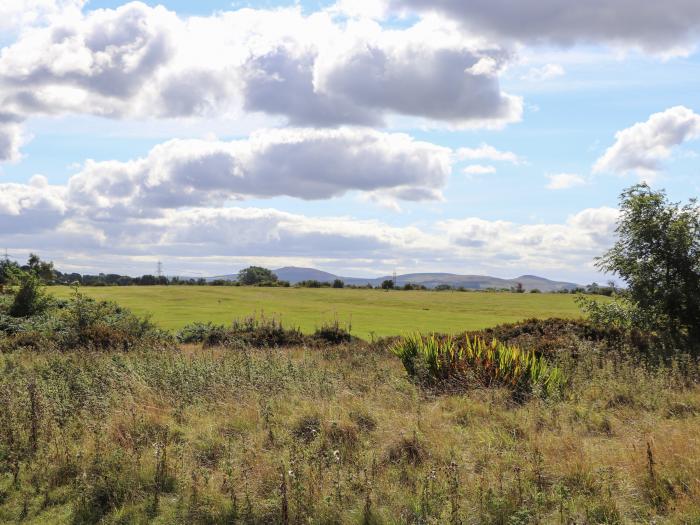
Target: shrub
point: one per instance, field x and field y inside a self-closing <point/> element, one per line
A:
<point x="553" y="336"/>
<point x="333" y="333"/>
<point x="30" y="299"/>
<point x="196" y="332"/>
<point x="254" y="331"/>
<point x="81" y="322"/>
<point x="468" y="362"/>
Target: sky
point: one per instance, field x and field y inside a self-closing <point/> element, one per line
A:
<point x="359" y="137"/>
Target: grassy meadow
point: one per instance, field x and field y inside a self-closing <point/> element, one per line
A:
<point x="369" y="312"/>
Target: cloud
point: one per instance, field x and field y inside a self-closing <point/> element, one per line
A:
<point x="545" y="72"/>
<point x="642" y="147"/>
<point x="478" y="169"/>
<point x="301" y="163"/>
<point x="564" y="181"/>
<point x="401" y="74"/>
<point x="252" y="235"/>
<point x="578" y="240"/>
<point x="137" y="61"/>
<point x="18" y="14"/>
<point x="488" y="152"/>
<point x="375" y="9"/>
<point x="670" y="27"/>
<point x="10" y="141"/>
<point x="32" y="207"/>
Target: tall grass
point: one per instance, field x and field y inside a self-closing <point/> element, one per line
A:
<point x="471" y="361"/>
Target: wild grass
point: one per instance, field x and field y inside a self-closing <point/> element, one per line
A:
<point x="340" y="434"/>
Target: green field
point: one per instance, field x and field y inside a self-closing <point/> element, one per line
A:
<point x="370" y="312"/>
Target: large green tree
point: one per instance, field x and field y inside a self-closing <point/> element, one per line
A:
<point x="658" y="255"/>
<point x="256" y="275"/>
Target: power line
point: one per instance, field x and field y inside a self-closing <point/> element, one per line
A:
<point x="159" y="271"/>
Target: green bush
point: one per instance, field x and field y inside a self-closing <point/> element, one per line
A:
<point x="30" y="298"/>
<point x="469" y="362"/>
<point x="81" y="322"/>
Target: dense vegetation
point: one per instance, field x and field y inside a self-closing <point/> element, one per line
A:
<point x="340" y="434"/>
<point x="108" y="419"/>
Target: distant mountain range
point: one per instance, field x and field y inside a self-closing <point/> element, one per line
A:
<point x="294" y="275"/>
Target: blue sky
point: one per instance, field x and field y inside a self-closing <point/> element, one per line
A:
<point x="132" y="162"/>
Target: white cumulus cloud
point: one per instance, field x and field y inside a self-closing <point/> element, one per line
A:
<point x="642" y="147"/>
<point x="137" y="61"/>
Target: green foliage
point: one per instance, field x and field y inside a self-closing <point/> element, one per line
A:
<point x="387" y="284"/>
<point x="620" y="314"/>
<point x="658" y="255"/>
<point x="256" y="275"/>
<point x="79" y="322"/>
<point x="196" y="332"/>
<point x="258" y="331"/>
<point x="470" y="362"/>
<point x="44" y="270"/>
<point x="337" y="283"/>
<point x="9" y="271"/>
<point x="30" y="298"/>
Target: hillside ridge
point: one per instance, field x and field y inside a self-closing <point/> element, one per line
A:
<point x="295" y="274"/>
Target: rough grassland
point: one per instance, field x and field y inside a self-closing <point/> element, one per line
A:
<point x="341" y="436"/>
<point x="370" y="312"/>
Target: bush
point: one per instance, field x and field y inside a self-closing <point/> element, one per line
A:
<point x="469" y="362"/>
<point x="81" y="322"/>
<point x="552" y="336"/>
<point x="30" y="299"/>
<point x="333" y="333"/>
<point x="196" y="332"/>
<point x="254" y="331"/>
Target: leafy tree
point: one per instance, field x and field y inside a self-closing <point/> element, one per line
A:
<point x="256" y="275"/>
<point x="42" y="269"/>
<point x="388" y="284"/>
<point x="337" y="283"/>
<point x="658" y="255"/>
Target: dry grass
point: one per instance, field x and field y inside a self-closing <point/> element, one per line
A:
<point x="339" y="435"/>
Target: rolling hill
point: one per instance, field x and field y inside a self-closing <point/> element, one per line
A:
<point x="295" y="274"/>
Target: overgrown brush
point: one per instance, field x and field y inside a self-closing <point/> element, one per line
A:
<point x="259" y="331"/>
<point x="468" y="362"/>
<point x="185" y="436"/>
<point x="80" y="322"/>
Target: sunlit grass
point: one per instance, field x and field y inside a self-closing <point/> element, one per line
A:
<point x="369" y="312"/>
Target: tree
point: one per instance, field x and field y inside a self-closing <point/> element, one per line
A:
<point x="256" y="275"/>
<point x="388" y="284"/>
<point x="337" y="283"/>
<point x="42" y="269"/>
<point x="658" y="255"/>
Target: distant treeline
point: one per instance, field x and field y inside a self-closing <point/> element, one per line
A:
<point x="251" y="276"/>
